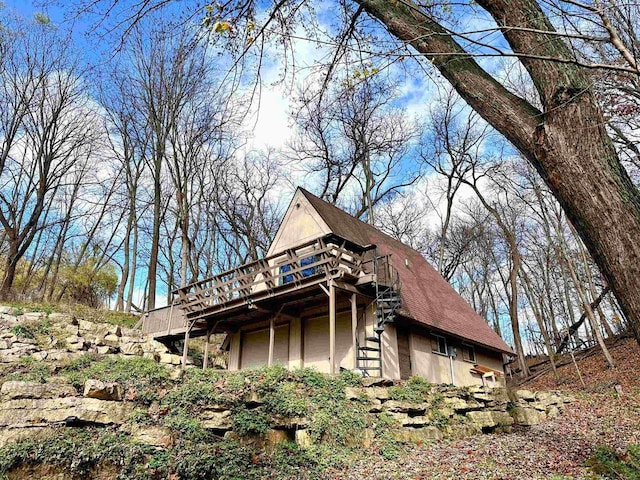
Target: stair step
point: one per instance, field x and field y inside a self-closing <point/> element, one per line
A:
<point x="373" y="339"/>
<point x="370" y="359"/>
<point x="370" y="349"/>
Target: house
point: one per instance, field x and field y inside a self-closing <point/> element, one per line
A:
<point x="335" y="293"/>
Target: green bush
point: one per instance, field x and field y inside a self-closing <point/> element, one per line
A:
<point x="22" y="330"/>
<point x="414" y="390"/>
<point x="250" y="422"/>
<point x="143" y="376"/>
<point x="76" y="451"/>
<point x="606" y="462"/>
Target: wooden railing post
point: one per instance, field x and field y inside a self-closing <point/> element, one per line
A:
<point x="332" y="328"/>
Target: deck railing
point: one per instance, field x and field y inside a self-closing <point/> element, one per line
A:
<point x="292" y="269"/>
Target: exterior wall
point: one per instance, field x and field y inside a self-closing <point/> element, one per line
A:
<point x="255" y="347"/>
<point x="297" y="344"/>
<point x="316" y="343"/>
<point x="436" y="367"/>
<point x="300" y="224"/>
<point x="390" y="361"/>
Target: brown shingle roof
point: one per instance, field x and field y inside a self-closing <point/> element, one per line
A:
<point x="426" y="297"/>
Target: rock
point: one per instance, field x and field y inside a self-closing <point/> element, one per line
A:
<point x="40" y="412"/>
<point x="105" y="350"/>
<point x="253" y="399"/>
<point x="33" y="316"/>
<point x="415" y="435"/>
<point x="60" y="317"/>
<point x="289" y="423"/>
<point x="103" y="390"/>
<point x="371" y="393"/>
<point x="72" y="329"/>
<point x="528" y="416"/>
<point x="12" y="435"/>
<point x="273" y="438"/>
<point x="14" y="390"/>
<point x="526" y="395"/>
<point x="502" y="419"/>
<point x="110" y="339"/>
<point x="481" y="419"/>
<point x="417" y="421"/>
<point x="461" y="406"/>
<point x="5" y="344"/>
<point x="460" y="430"/>
<point x="170" y="359"/>
<point x="6" y="310"/>
<point x="303" y="439"/>
<point x="376" y="382"/>
<point x="553" y="412"/>
<point x="40" y="356"/>
<point x="129" y="348"/>
<point x="154" y="436"/>
<point x="405" y="407"/>
<point x="353" y="393"/>
<point x="216" y="420"/>
<point x="152" y="346"/>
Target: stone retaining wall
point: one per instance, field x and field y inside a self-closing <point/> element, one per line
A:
<point x="27" y="407"/>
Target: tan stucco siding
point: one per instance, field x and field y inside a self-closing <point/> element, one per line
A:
<point x="316" y="342"/>
<point x="437" y="368"/>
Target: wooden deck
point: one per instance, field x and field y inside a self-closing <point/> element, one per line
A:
<point x="247" y="292"/>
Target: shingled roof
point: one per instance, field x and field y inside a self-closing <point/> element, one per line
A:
<point x="427" y="297"/>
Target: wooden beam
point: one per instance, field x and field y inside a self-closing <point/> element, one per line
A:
<point x="205" y="360"/>
<point x="272" y="337"/>
<point x="185" y="348"/>
<point x="332" y="329"/>
<point x="354" y="329"/>
<point x="345" y="286"/>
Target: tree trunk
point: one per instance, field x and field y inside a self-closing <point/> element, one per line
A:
<point x="567" y="142"/>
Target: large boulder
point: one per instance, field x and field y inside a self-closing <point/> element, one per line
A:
<point x="528" y="416"/>
<point x="103" y="390"/>
<point x="67" y="410"/>
<point x="415" y="435"/>
<point x="16" y="390"/>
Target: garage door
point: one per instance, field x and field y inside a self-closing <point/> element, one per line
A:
<point x="255" y="347"/>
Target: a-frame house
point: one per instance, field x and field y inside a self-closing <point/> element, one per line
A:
<point x="336" y="293"/>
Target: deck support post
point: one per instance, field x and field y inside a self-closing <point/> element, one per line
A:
<point x="185" y="348"/>
<point x="354" y="329"/>
<point x="332" y="328"/>
<point x="272" y="337"/>
<point x="205" y="360"/>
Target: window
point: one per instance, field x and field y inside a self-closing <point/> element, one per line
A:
<point x="307" y="272"/>
<point x="468" y="353"/>
<point x="439" y="345"/>
<point x="285" y="278"/>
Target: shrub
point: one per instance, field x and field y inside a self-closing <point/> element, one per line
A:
<point x="250" y="422"/>
<point x="22" y="330"/>
<point x="414" y="390"/>
<point x="606" y="462"/>
<point x="140" y="375"/>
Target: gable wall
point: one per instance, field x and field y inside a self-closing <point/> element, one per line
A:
<point x="300" y="224"/>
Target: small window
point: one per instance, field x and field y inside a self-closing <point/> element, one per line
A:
<point x="439" y="345"/>
<point x="307" y="272"/>
<point x="285" y="278"/>
<point x="468" y="353"/>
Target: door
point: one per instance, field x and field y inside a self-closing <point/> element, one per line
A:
<point x="404" y="354"/>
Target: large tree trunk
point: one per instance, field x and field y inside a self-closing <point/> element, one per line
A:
<point x="566" y="142"/>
